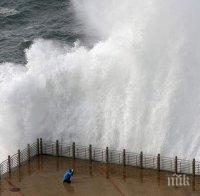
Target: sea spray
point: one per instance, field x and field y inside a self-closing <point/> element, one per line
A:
<point x="137" y="87"/>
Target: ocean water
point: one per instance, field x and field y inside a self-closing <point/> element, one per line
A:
<point x="23" y="21"/>
<point x="123" y="74"/>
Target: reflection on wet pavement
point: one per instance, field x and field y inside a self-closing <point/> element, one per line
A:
<point x="43" y="176"/>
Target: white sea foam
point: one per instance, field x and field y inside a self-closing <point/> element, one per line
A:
<point x="137" y="88"/>
<point x="7" y="12"/>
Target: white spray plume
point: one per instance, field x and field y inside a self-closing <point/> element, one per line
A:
<point x="136" y="88"/>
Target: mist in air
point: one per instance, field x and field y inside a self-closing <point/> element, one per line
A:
<point x="133" y="83"/>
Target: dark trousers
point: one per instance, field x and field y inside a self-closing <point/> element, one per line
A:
<point x="68" y="181"/>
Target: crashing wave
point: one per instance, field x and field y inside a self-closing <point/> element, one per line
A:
<point x="136" y="88"/>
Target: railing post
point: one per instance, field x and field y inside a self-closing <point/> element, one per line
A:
<point x="141" y="159"/>
<point x="41" y="146"/>
<point x="193" y="167"/>
<point x="124" y="157"/>
<point x="19" y="158"/>
<point x="176" y="165"/>
<point x="29" y="152"/>
<point x="90" y="152"/>
<point x="9" y="164"/>
<point x="38" y="146"/>
<point x="158" y="162"/>
<point x="74" y="150"/>
<point x="107" y="155"/>
<point x="57" y="148"/>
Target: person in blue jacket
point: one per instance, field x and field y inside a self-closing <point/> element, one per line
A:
<point x="67" y="175"/>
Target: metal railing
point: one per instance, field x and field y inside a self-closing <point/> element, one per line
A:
<point x="108" y="156"/>
<point x="18" y="159"/>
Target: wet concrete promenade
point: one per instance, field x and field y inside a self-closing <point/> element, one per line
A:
<point x="43" y="177"/>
